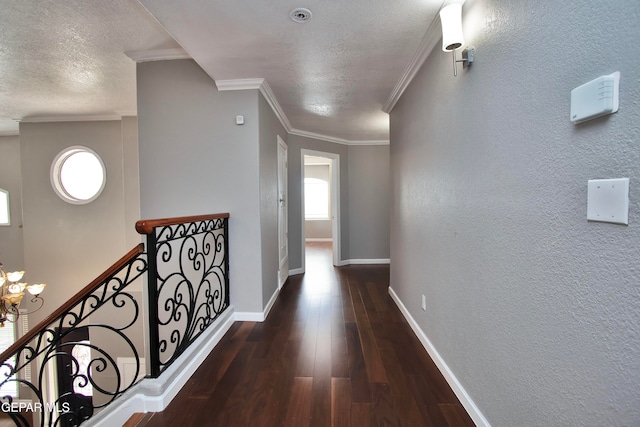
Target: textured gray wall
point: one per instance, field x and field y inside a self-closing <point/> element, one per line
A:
<point x="131" y="172"/>
<point x="195" y="160"/>
<point x="270" y="127"/>
<point x="369" y="202"/>
<point x="11" y="239"/>
<point x="65" y="245"/>
<point x="534" y="309"/>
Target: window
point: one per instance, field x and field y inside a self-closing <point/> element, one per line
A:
<point x="5" y="213"/>
<point x="316" y="199"/>
<point x="78" y="175"/>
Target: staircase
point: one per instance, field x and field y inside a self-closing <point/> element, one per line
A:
<point x="132" y="322"/>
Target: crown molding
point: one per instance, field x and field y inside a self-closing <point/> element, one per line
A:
<point x="239" y="84"/>
<point x="265" y="90"/>
<point x="70" y="118"/>
<point x="428" y="42"/>
<point x="158" y="54"/>
<point x="335" y="140"/>
<point x="268" y="94"/>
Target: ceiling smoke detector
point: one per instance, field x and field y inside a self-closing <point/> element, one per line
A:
<point x="300" y="14"/>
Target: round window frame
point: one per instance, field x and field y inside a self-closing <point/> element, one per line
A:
<point x="56" y="169"/>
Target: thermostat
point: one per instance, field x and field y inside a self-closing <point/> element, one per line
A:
<point x="597" y="98"/>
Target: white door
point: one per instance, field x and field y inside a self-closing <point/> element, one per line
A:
<point x="283" y="269"/>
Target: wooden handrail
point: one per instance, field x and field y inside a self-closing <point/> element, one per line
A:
<point x="146" y="226"/>
<point x="72" y="302"/>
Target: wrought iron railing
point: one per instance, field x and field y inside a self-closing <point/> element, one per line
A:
<point x="90" y="351"/>
<point x="188" y="280"/>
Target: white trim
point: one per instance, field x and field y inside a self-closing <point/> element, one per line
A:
<point x="318" y="239"/>
<point x="9" y="132"/>
<point x="253" y="316"/>
<point x="158" y="54"/>
<point x="239" y="84"/>
<point x="296" y="271"/>
<point x="455" y="385"/>
<point x="264" y="88"/>
<point x="366" y="261"/>
<point x="249" y="316"/>
<point x="271" y="99"/>
<point x="81" y="118"/>
<point x="335" y="140"/>
<point x="155" y="394"/>
<point x="426" y="46"/>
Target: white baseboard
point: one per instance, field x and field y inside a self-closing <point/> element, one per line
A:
<point x="318" y="239"/>
<point x="363" y="261"/>
<point x="253" y="316"/>
<point x="296" y="271"/>
<point x="369" y="261"/>
<point x="155" y="394"/>
<point x="455" y="385"/>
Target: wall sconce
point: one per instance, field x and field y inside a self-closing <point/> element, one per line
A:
<point x="452" y="38"/>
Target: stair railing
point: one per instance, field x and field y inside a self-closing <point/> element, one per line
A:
<point x="188" y="281"/>
<point x="91" y="350"/>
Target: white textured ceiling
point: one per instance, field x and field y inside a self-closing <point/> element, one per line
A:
<point x="331" y="75"/>
<point x="65" y="58"/>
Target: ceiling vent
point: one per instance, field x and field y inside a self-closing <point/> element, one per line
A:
<point x="300" y="14"/>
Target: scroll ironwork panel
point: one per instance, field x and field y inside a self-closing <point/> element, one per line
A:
<point x="68" y="366"/>
<point x="189" y="280"/>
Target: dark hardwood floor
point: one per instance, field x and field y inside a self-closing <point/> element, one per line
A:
<point x="335" y="350"/>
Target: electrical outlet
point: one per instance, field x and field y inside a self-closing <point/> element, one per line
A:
<point x="424" y="303"/>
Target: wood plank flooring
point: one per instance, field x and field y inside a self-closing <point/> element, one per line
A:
<point x="334" y="351"/>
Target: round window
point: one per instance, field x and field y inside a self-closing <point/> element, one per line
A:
<point x="78" y="175"/>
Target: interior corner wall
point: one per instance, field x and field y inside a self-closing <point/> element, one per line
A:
<point x="533" y="308"/>
<point x="195" y="160"/>
<point x="369" y="188"/>
<point x="11" y="239"/>
<point x="270" y="128"/>
<point x="67" y="246"/>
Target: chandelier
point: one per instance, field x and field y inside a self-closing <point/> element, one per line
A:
<point x="12" y="292"/>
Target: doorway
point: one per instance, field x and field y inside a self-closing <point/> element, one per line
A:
<point x="321" y="202"/>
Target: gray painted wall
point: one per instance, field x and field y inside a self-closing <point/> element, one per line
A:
<point x="195" y="160"/>
<point x="269" y="128"/>
<point x="369" y="187"/>
<point x="65" y="245"/>
<point x="11" y="240"/>
<point x="534" y="309"/>
<point x="364" y="199"/>
<point x="131" y="173"/>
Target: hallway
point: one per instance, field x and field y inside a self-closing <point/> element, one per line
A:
<point x="334" y="350"/>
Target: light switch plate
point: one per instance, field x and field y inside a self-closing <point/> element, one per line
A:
<point x="608" y="200"/>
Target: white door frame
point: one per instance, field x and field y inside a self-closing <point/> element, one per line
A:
<point x="335" y="202"/>
<point x="283" y="203"/>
